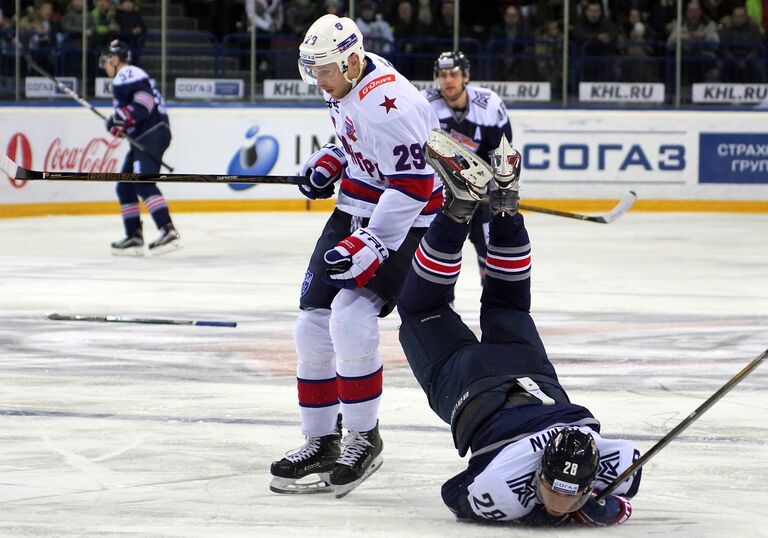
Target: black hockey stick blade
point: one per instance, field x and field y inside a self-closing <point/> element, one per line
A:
<point x="14" y="171"/>
<point x="622" y="207"/>
<point x="690" y="419"/>
<point x="150" y="321"/>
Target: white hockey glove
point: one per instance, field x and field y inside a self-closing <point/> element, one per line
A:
<point x="353" y="262"/>
<point x="323" y="169"/>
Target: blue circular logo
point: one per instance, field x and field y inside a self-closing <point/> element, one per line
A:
<point x="256" y="157"/>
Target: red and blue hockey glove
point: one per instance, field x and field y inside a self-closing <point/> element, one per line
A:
<point x="121" y="120"/>
<point x="612" y="510"/>
<point x="323" y="169"/>
<point x="353" y="262"/>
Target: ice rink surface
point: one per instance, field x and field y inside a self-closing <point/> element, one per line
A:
<point x="113" y="429"/>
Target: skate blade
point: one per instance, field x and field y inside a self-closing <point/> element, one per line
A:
<point x="292" y="486"/>
<point x="474" y="170"/>
<point x="132" y="252"/>
<point x="166" y="249"/>
<point x="342" y="490"/>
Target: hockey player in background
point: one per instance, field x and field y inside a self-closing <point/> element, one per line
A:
<point x="387" y="198"/>
<point x="475" y="117"/>
<point x="140" y="113"/>
<point x="537" y="459"/>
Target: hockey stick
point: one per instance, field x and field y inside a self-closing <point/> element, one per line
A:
<point x="63" y="87"/>
<point x="622" y="207"/>
<point x="152" y="321"/>
<point x="683" y="425"/>
<point x="15" y="171"/>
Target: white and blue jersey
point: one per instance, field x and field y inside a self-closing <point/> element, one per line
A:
<point x="480" y="127"/>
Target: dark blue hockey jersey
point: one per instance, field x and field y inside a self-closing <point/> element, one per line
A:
<point x="480" y="127"/>
<point x="135" y="91"/>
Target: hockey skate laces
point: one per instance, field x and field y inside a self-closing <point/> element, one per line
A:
<point x="309" y="448"/>
<point x="352" y="447"/>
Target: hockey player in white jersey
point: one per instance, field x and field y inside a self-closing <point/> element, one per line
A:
<point x="387" y="198"/>
<point x="537" y="458"/>
<point x="476" y="117"/>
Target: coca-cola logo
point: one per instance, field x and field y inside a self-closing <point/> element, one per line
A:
<point x="96" y="156"/>
<point x="20" y="152"/>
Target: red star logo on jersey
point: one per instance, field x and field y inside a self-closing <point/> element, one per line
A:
<point x="389" y="104"/>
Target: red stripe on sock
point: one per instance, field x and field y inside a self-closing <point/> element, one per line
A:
<point x="506" y="263"/>
<point x="360" y="389"/>
<point x="317" y="393"/>
<point x="437" y="267"/>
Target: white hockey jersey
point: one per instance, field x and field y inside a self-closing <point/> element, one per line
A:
<point x="480" y="127"/>
<point x="506" y="489"/>
<point x="383" y="124"/>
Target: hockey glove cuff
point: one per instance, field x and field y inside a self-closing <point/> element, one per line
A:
<point x="323" y="169"/>
<point x="353" y="262"/>
<point x="121" y="120"/>
<point x="612" y="510"/>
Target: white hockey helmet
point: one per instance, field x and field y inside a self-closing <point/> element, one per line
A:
<point x="330" y="39"/>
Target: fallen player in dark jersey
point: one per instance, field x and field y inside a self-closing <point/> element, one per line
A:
<point x="537" y="458"/>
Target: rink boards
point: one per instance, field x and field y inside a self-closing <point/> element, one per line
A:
<point x="572" y="159"/>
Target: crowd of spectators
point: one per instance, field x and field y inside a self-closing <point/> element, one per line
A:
<point x="610" y="40"/>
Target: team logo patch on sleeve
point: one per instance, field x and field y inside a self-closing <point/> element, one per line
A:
<point x="306" y="283"/>
<point x="522" y="486"/>
<point x="375" y="83"/>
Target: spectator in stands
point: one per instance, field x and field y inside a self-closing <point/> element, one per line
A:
<point x="595" y="37"/>
<point x="514" y="62"/>
<point x="549" y="53"/>
<point x="662" y="17"/>
<point x="377" y="33"/>
<point x="300" y="14"/>
<point x="131" y="23"/>
<point x="268" y="17"/>
<point x="742" y="49"/>
<point x="105" y="28"/>
<point x="442" y="26"/>
<point x="72" y="23"/>
<point x="700" y="41"/>
<point x="638" y="66"/>
<point x="334" y="7"/>
<point x="407" y="29"/>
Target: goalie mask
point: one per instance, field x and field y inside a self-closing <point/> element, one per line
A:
<point x="568" y="470"/>
<point x="330" y="40"/>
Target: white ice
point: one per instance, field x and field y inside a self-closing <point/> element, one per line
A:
<point x="111" y="429"/>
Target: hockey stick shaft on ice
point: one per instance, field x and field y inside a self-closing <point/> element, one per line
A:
<point x="150" y="321"/>
<point x="67" y="90"/>
<point x="690" y="419"/>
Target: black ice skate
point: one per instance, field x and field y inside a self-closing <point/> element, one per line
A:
<point x="168" y="241"/>
<point x="132" y="245"/>
<point x="315" y="459"/>
<point x="503" y="198"/>
<point x="360" y="458"/>
<point x="464" y="174"/>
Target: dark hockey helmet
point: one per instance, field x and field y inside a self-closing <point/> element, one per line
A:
<point x="570" y="462"/>
<point x="118" y="48"/>
<point x="451" y="60"/>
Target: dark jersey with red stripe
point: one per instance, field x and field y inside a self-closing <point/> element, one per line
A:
<point x="133" y="89"/>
